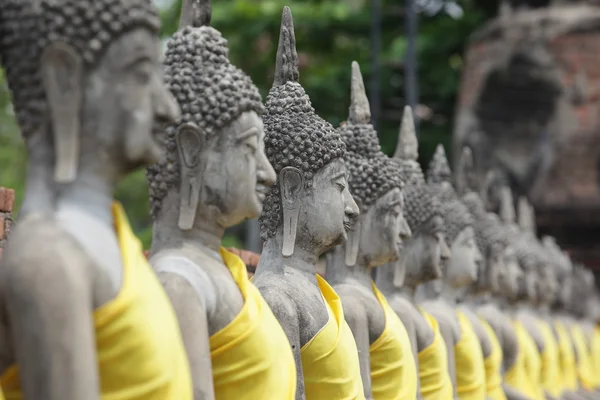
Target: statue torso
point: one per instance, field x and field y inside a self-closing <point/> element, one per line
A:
<point x="302" y="290"/>
<point x="503" y="328"/>
<point x="410" y="315"/>
<point x="370" y="306"/>
<point x="210" y="279"/>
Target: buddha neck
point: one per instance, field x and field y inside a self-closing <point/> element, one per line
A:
<point x="303" y="260"/>
<point x="206" y="233"/>
<point x="91" y="191"/>
<point x="384" y="279"/>
<point x="478" y="297"/>
<point x="428" y="291"/>
<point x="453" y="295"/>
<point x="338" y="272"/>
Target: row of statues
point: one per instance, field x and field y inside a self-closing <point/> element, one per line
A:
<point x="433" y="288"/>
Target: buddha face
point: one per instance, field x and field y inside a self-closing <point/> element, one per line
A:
<point x="547" y="283"/>
<point x="511" y="274"/>
<point x="383" y="230"/>
<point x="528" y="285"/>
<point x="327" y="209"/>
<point x="564" y="289"/>
<point x="124" y="100"/>
<point x="235" y="171"/>
<point x="425" y="253"/>
<point x="493" y="268"/>
<point x="465" y="259"/>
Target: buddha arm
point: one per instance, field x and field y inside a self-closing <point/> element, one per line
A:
<point x="410" y="324"/>
<point x="191" y="314"/>
<point x="449" y="339"/>
<point x="48" y="297"/>
<point x="357" y="320"/>
<point x="284" y="310"/>
<point x="513" y="394"/>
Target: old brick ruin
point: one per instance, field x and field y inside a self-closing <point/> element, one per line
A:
<point x="529" y="107"/>
<point x="7" y="201"/>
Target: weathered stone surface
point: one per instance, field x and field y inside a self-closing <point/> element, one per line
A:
<point x="529" y="107"/>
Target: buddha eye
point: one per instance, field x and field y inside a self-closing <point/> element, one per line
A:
<point x="251" y="143"/>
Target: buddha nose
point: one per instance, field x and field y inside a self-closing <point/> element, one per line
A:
<point x="350" y="206"/>
<point x="405" y="232"/>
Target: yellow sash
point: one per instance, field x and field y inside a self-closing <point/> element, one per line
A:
<point x="251" y="356"/>
<point x="533" y="363"/>
<point x="551" y="377"/>
<point x="517" y="376"/>
<point x="330" y="359"/>
<point x="596" y="354"/>
<point x="568" y="364"/>
<point x="139" y="349"/>
<point x="585" y="371"/>
<point x="470" y="369"/>
<point x="393" y="369"/>
<point x="493" y="366"/>
<point x="436" y="383"/>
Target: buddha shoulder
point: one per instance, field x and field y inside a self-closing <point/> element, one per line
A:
<point x="43" y="259"/>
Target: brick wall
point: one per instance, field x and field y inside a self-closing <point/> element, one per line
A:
<point x="573" y="178"/>
<point x="567" y="199"/>
<point x="7" y="201"/>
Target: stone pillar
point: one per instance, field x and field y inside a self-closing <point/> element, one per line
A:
<point x="529" y="107"/>
<point x="7" y="201"/>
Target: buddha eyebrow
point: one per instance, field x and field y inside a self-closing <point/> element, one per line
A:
<point x="338" y="176"/>
<point x="246" y="134"/>
<point x="395" y="203"/>
<point x="138" y="55"/>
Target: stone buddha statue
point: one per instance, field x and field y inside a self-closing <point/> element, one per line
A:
<point x="215" y="175"/>
<point x="83" y="315"/>
<point x="548" y="290"/>
<point x="421" y="260"/>
<point x="463" y="329"/>
<point x="307" y="213"/>
<point x="561" y="319"/>
<point x="496" y="282"/>
<point x="581" y="293"/>
<point x="386" y="359"/>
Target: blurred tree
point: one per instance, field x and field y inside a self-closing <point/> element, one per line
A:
<point x="330" y="35"/>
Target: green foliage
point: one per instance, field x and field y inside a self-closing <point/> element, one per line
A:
<point x="330" y="35"/>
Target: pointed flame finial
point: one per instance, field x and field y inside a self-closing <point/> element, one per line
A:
<point x="195" y="13"/>
<point x="439" y="169"/>
<point x="360" y="111"/>
<point x="408" y="146"/>
<point x="286" y="65"/>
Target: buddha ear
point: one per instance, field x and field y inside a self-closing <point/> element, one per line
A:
<point x="399" y="273"/>
<point x="291" y="186"/>
<point x="352" y="244"/>
<point x="62" y="75"/>
<point x="190" y="141"/>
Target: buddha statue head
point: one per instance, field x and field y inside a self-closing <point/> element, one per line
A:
<point x="425" y="253"/>
<point x="310" y="206"/>
<point x="547" y="283"/>
<point x="563" y="269"/>
<point x="497" y="269"/>
<point x="215" y="169"/>
<point x="86" y="87"/>
<point x="463" y="267"/>
<point x="376" y="185"/>
<point x="583" y="286"/>
<point x="528" y="261"/>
